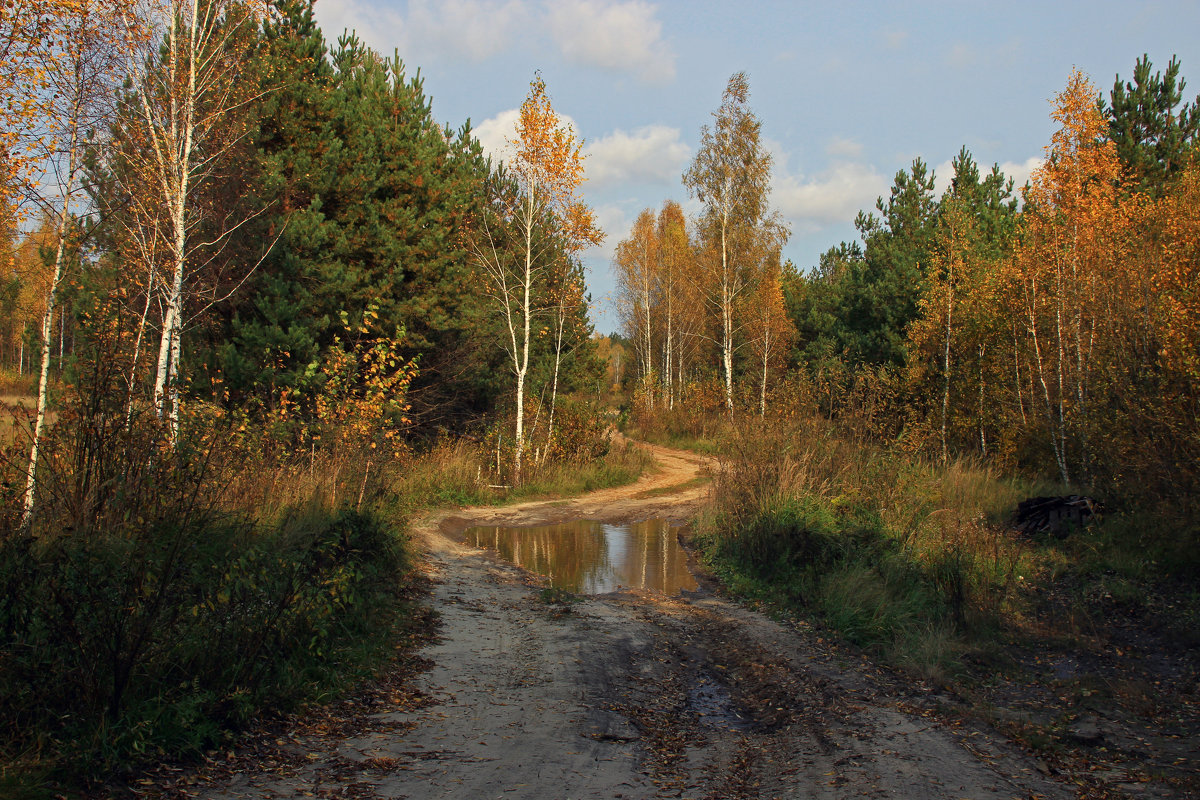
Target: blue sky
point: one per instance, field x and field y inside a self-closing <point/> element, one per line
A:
<point x="848" y="93"/>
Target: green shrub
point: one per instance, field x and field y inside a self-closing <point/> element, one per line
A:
<point x="894" y="553"/>
<point x="118" y="646"/>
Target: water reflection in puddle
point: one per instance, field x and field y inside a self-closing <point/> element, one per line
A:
<point x="595" y="557"/>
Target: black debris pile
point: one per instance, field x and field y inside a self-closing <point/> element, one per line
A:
<point x="1055" y="515"/>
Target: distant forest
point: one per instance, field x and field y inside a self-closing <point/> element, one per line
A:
<point x="1052" y="328"/>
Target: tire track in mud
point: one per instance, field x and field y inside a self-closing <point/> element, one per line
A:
<point x="628" y="695"/>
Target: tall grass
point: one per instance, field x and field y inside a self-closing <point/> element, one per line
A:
<point x="620" y="464"/>
<point x="21" y="385"/>
<point x="902" y="556"/>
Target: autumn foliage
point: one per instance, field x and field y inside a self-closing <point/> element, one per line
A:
<point x="1051" y="330"/>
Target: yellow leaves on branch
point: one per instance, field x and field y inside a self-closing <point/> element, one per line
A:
<point x="24" y="28"/>
<point x="549" y="167"/>
<point x="1082" y="170"/>
<point x="1176" y="283"/>
<point x="364" y="397"/>
<point x="61" y="62"/>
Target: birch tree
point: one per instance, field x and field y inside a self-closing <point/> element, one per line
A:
<point x="674" y="250"/>
<point x="637" y="266"/>
<point x="77" y="63"/>
<point x="515" y="249"/>
<point x="1072" y="244"/>
<point x="772" y="331"/>
<point x="731" y="176"/>
<point x="181" y="125"/>
<point x="567" y="292"/>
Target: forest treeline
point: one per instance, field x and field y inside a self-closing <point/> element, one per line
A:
<point x="237" y="211"/>
<point x="1051" y="329"/>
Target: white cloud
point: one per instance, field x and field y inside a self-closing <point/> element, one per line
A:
<point x="653" y="154"/>
<point x="845" y="148"/>
<point x="1022" y="171"/>
<point x="836" y="195"/>
<point x="469" y="29"/>
<point x="616" y="35"/>
<point x="942" y="173"/>
<point x="615" y="223"/>
<point x="620" y="36"/>
<point x="494" y="134"/>
<point x="1019" y="171"/>
<point x="476" y="29"/>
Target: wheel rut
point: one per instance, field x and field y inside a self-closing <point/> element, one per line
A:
<point x="628" y="695"/>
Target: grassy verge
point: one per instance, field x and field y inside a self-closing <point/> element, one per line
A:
<point x="455" y="474"/>
<point x="622" y="464"/>
<point x="910" y="559"/>
<point x="1084" y="648"/>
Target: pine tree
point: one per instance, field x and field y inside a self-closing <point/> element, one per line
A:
<point x="883" y="289"/>
<point x="375" y="203"/>
<point x="1155" y="135"/>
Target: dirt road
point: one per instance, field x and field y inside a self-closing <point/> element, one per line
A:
<point x="623" y="696"/>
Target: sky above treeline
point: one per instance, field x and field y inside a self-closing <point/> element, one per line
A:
<point x="848" y="93"/>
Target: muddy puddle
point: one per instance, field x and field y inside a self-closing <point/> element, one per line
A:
<point x="595" y="557"/>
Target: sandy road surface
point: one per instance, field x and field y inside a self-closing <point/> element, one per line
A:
<point x="624" y="696"/>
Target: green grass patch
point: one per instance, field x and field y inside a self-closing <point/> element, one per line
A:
<point x="622" y="464"/>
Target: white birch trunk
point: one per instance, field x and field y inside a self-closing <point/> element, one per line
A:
<point x="48" y="319"/>
<point x="1061" y="357"/>
<point x="667" y="355"/>
<point x="1059" y="455"/>
<point x="946" y="358"/>
<point x="179" y="170"/>
<point x="1017" y="376"/>
<point x="522" y="363"/>
<point x="982" y="431"/>
<point x="647" y="347"/>
<point x="559" y="335"/>
<point x="726" y="316"/>
<point x="766" y="358"/>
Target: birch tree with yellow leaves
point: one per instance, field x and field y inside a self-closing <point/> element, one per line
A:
<point x="185" y="59"/>
<point x="1070" y="251"/>
<point x="530" y="225"/>
<point x="731" y="176"/>
<point x="637" y="267"/>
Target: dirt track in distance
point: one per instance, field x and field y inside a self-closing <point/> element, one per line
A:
<point x="621" y="696"/>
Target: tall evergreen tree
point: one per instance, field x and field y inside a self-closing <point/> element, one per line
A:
<point x="1154" y="134"/>
<point x="883" y="289"/>
<point x="373" y="202"/>
<point x="270" y="340"/>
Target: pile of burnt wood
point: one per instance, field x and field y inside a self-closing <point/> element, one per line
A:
<point x="1055" y="515"/>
